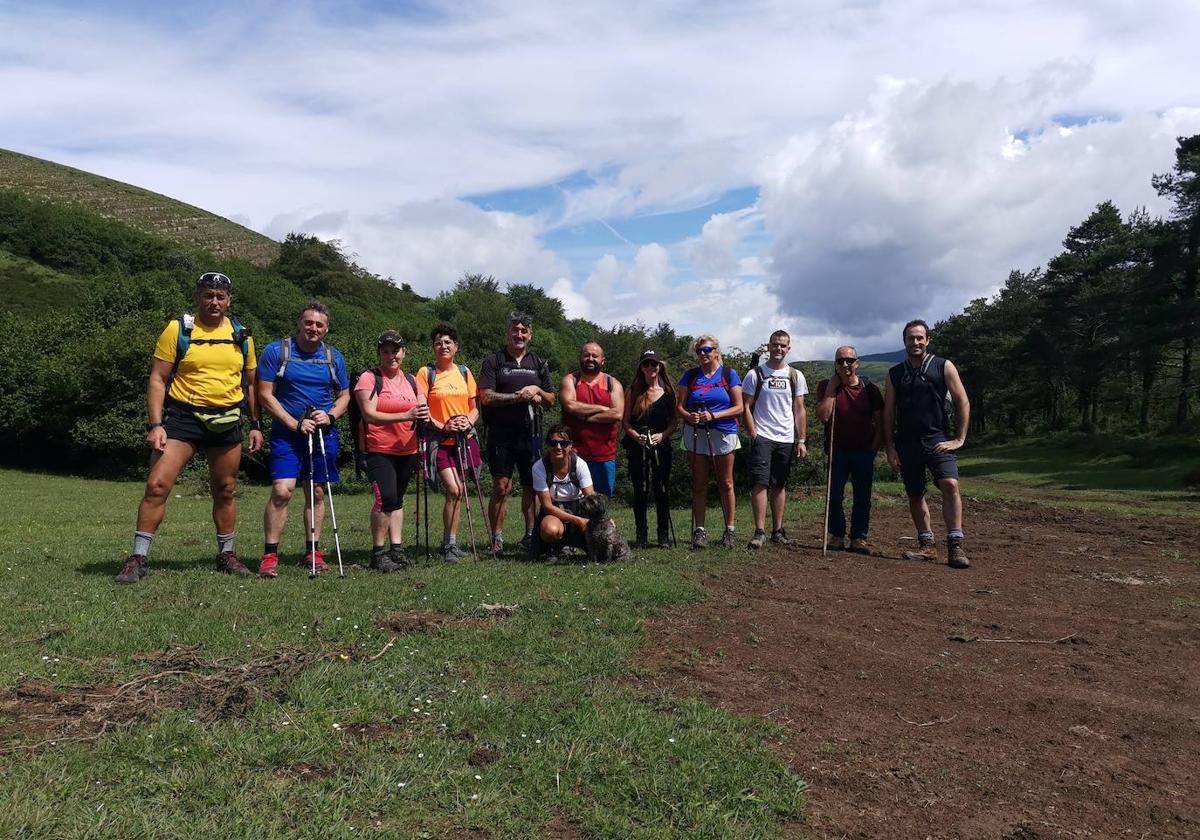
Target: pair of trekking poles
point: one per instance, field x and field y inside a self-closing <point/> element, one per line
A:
<point x="462" y="452"/>
<point x="312" y="498"/>
<point x="649" y="481"/>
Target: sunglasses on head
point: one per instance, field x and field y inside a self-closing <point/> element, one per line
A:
<point x="213" y="280"/>
<point x="558" y="443"/>
<point x="847" y="361"/>
<point x="704" y="350"/>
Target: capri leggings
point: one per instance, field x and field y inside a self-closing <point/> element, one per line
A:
<point x="389" y="476"/>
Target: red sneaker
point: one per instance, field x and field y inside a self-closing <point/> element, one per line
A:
<point x="268" y="565"/>
<point x="320" y="561"/>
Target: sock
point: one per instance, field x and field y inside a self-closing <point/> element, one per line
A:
<point x="270" y="548"/>
<point x="529" y="532"/>
<point x="225" y="542"/>
<point x="398" y="547"/>
<point x="954" y="534"/>
<point x="449" y="539"/>
<point x="925" y="536"/>
<point x="310" y="546"/>
<point x="729" y="528"/>
<point x="499" y="535"/>
<point x="141" y="542"/>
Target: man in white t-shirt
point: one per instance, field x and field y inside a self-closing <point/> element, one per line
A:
<point x="560" y="479"/>
<point x="775" y="418"/>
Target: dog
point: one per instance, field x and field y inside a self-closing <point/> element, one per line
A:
<point x="604" y="541"/>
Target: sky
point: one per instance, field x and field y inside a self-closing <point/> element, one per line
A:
<point x="832" y="168"/>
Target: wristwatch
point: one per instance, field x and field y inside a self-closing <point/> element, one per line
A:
<point x="256" y="425"/>
<point x="151" y="426"/>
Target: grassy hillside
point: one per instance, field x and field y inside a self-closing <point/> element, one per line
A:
<point x="149" y="212"/>
<point x="29" y="287"/>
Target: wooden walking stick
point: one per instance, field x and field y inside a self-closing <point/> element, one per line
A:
<point x="828" y="481"/>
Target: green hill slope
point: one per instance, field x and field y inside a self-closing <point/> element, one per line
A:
<point x="29" y="287"/>
<point x="141" y="209"/>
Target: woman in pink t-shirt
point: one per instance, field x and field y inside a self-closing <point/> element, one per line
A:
<point x="391" y="405"/>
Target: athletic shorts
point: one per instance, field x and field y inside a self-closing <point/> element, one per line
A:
<point x="447" y="457"/>
<point x="289" y="455"/>
<point x="505" y="453"/>
<point x="389" y="475"/>
<point x="915" y="460"/>
<point x="604" y="476"/>
<point x="696" y="439"/>
<point x="770" y="462"/>
<point x="181" y="424"/>
<point x="572" y="534"/>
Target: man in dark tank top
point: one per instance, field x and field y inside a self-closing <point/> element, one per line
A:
<point x="921" y="392"/>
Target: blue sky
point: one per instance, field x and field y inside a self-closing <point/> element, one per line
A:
<point x="832" y="167"/>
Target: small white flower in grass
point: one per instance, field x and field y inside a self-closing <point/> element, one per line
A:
<point x="337" y="726"/>
<point x="415" y="710"/>
<point x="339" y="618"/>
<point x="537" y="740"/>
<point x="474" y="795"/>
<point x="420" y="755"/>
<point x="401" y="784"/>
<point x="478" y="778"/>
<point x="671" y="740"/>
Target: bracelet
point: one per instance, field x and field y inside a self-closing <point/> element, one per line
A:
<point x="151" y="426"/>
<point x="801" y="440"/>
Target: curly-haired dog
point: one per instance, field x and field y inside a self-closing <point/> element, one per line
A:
<point x="604" y="542"/>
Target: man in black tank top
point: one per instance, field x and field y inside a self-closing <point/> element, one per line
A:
<point x="917" y="429"/>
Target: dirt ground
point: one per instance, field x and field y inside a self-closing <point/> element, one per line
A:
<point x="1052" y="690"/>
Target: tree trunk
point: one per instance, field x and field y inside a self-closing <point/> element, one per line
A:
<point x="1144" y="403"/>
<point x="1185" y="380"/>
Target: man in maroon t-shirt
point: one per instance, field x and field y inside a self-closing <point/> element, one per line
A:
<point x="857" y="435"/>
<point x="592" y="405"/>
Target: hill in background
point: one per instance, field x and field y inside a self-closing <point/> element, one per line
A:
<point x="141" y="209"/>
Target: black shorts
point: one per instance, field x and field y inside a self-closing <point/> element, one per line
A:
<point x="914" y="460"/>
<point x="572" y="534"/>
<point x="771" y="462"/>
<point x="180" y="423"/>
<point x="389" y="475"/>
<point x="505" y="452"/>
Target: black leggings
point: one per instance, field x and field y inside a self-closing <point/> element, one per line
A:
<point x="389" y="476"/>
<point x="660" y="479"/>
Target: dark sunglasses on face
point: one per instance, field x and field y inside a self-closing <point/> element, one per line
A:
<point x="704" y="350"/>
<point x="650" y="364"/>
<point x="847" y="362"/>
<point x="559" y="444"/>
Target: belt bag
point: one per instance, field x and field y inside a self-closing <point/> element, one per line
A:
<point x="219" y="422"/>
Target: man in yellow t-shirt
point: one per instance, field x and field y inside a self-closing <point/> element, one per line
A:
<point x="194" y="400"/>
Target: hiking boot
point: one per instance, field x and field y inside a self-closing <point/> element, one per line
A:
<point x="497" y="546"/>
<point x="319" y="562"/>
<point x="699" y="539"/>
<point x="133" y="570"/>
<point x="268" y="566"/>
<point x="836" y="543"/>
<point x="229" y="564"/>
<point x="642" y="540"/>
<point x="385" y="561"/>
<point x="526" y="542"/>
<point x="451" y="553"/>
<point x="664" y="538"/>
<point x="926" y="552"/>
<point x="760" y="537"/>
<point x="728" y="539"/>
<point x="779" y="537"/>
<point x="859" y="545"/>
<point x="957" y="557"/>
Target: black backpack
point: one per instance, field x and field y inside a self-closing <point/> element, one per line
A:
<point x="358" y="425"/>
<point x="570" y="474"/>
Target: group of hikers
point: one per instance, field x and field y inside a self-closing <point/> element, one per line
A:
<point x="206" y="376"/>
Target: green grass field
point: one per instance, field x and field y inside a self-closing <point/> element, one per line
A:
<point x="30" y="288"/>
<point x="547" y="693"/>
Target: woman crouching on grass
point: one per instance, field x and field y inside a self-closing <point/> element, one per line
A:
<point x="203" y="370"/>
<point x="709" y="401"/>
<point x="391" y="405"/>
<point x="560" y="479"/>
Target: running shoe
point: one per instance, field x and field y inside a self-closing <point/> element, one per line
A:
<point x="497" y="546"/>
<point x="779" y="537"/>
<point x="133" y="570"/>
<point x="925" y="552"/>
<point x="385" y="561"/>
<point x="229" y="564"/>
<point x="268" y="567"/>
<point x="958" y="557"/>
<point x="760" y="537"/>
<point x="527" y="541"/>
<point x="728" y="539"/>
<point x="320" y="561"/>
<point x="699" y="539"/>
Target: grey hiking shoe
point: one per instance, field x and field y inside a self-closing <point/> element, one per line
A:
<point x="388" y="561"/>
<point x="133" y="570"/>
<point x="957" y="557"/>
<point x="229" y="564"/>
<point x="760" y="537"/>
<point x="451" y="553"/>
<point x="728" y="539"/>
<point x="779" y="537"/>
<point x="699" y="539"/>
<point x="926" y="552"/>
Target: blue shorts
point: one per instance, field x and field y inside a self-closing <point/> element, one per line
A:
<point x="289" y="455"/>
<point x="604" y="476"/>
<point x="914" y="460"/>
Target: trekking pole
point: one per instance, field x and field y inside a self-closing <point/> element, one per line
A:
<point x="424" y="489"/>
<point x="417" y="489"/>
<point x="658" y="477"/>
<point x="712" y="463"/>
<point x="337" y="541"/>
<point x="461" y="443"/>
<point x="828" y="483"/>
<point x="312" y="502"/>
<point x="483" y="517"/>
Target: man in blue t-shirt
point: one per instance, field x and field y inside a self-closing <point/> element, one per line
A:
<point x="302" y="383"/>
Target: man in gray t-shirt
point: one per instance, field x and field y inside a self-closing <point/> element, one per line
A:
<point x="775" y="418"/>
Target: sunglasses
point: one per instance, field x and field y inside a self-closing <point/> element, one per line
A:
<point x="650" y="364"/>
<point x="847" y="362"/>
<point x="213" y="280"/>
<point x="522" y="318"/>
<point x="558" y="444"/>
<point x="704" y="350"/>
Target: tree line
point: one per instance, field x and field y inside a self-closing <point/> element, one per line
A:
<point x="1102" y="337"/>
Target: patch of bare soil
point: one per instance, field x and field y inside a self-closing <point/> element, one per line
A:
<point x="303" y="772"/>
<point x="562" y="827"/>
<point x="1050" y="691"/>
<point x="36" y="714"/>
<point x="429" y="621"/>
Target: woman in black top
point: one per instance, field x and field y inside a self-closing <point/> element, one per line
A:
<point x="649" y="421"/>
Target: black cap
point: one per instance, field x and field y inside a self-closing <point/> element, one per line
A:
<point x="651" y="355"/>
<point x="391" y="337"/>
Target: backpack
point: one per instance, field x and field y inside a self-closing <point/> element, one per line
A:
<point x="608" y="380"/>
<point x="285" y="352"/>
<point x="241" y="340"/>
<point x="358" y="424"/>
<point x="570" y="474"/>
<point x="693" y="374"/>
<point x="793" y="380"/>
<point x="431" y="373"/>
<point x="909" y="375"/>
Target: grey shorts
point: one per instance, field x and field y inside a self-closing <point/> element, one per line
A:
<point x="915" y="460"/>
<point x="770" y="462"/>
<point x="695" y="439"/>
